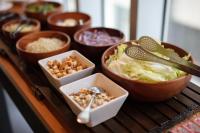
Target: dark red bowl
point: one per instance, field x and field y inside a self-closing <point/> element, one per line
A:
<point x="94" y="52"/>
<point x="151" y="92"/>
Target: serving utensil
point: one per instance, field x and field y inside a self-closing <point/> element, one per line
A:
<point x="84" y="116"/>
<point x="24" y="22"/>
<point x="152" y="45"/>
<point x="8" y="15"/>
<point x="137" y="52"/>
<point x="80" y="22"/>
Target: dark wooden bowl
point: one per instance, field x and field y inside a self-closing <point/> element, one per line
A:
<point x="54" y="18"/>
<point x="40" y="16"/>
<point x="150" y="92"/>
<point x="32" y="58"/>
<point x="5" y="20"/>
<point x="18" y="7"/>
<point x="94" y="52"/>
<point x="8" y="35"/>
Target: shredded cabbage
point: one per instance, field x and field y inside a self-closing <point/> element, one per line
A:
<point x="146" y="71"/>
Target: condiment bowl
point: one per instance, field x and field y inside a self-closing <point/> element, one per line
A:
<point x="83" y="21"/>
<point x="100" y="113"/>
<point x="42" y="17"/>
<point x="143" y="91"/>
<point x="31" y="57"/>
<point x="94" y="52"/>
<point x="12" y="38"/>
<point x="57" y="82"/>
<point x="5" y="17"/>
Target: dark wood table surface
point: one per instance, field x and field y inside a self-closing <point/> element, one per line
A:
<point x="56" y="116"/>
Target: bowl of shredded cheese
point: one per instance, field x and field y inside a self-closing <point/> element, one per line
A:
<point x="39" y="45"/>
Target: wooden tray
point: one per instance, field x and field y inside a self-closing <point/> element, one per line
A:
<point x="133" y="116"/>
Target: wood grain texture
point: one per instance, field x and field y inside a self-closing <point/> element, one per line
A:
<point x="48" y="119"/>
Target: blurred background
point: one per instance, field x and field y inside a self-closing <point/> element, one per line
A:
<point x="174" y="21"/>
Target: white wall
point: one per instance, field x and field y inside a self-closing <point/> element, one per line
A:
<point x="150" y="16"/>
<point x="93" y="8"/>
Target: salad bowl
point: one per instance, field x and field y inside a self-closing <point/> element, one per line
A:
<point x="91" y="51"/>
<point x="148" y="91"/>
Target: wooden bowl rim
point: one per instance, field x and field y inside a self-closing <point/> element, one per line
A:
<point x="139" y="81"/>
<point x="41" y="2"/>
<point x="35" y="28"/>
<point x="101" y="28"/>
<point x="66" y="44"/>
<point x="49" y="19"/>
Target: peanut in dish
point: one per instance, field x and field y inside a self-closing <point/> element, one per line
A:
<point x="84" y="95"/>
<point x="68" y="65"/>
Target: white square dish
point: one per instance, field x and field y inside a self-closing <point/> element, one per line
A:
<point x="57" y="82"/>
<point x="102" y="112"/>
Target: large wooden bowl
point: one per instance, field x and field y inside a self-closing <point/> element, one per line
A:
<point x="40" y="16"/>
<point x="12" y="39"/>
<point x="94" y="52"/>
<point x="54" y="18"/>
<point x="32" y="58"/>
<point x="151" y="92"/>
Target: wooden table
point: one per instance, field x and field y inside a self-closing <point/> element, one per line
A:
<point x="43" y="113"/>
<point x="133" y="116"/>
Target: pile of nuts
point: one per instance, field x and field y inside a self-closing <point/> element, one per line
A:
<point x="68" y="65"/>
<point x="84" y="95"/>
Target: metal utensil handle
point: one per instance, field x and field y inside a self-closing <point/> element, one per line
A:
<point x="5" y="17"/>
<point x="20" y="27"/>
<point x="137" y="52"/>
<point x="152" y="45"/>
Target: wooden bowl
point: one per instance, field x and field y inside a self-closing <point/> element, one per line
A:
<point x="94" y="52"/>
<point x="32" y="58"/>
<point x="150" y="92"/>
<point x="40" y="16"/>
<point x="12" y="39"/>
<point x="18" y="7"/>
<point x="54" y="18"/>
<point x="10" y="16"/>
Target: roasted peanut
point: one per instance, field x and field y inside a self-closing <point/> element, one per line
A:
<point x="67" y="66"/>
<point x="84" y="95"/>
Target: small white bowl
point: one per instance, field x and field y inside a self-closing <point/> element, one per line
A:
<point x="102" y="112"/>
<point x="57" y="82"/>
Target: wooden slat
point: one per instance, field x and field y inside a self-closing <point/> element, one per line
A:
<point x="144" y="121"/>
<point x="115" y="127"/>
<point x="100" y="129"/>
<point x="176" y="105"/>
<point x="166" y="110"/>
<point x="129" y="123"/>
<point x="152" y="113"/>
<point x="194" y="87"/>
<point x="184" y="100"/>
<point x="194" y="96"/>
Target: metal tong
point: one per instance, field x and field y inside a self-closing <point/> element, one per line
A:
<point x="142" y="52"/>
<point x="22" y="24"/>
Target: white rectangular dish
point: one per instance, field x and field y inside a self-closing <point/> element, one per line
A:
<point x="57" y="82"/>
<point x="102" y="112"/>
